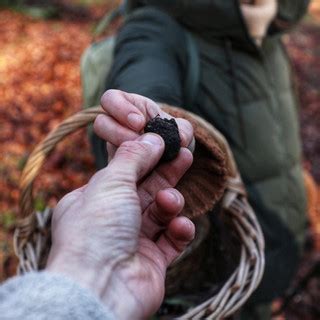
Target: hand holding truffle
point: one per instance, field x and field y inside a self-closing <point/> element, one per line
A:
<point x="128" y="114"/>
<point x="118" y="234"/>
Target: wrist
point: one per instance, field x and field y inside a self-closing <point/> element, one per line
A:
<point x="99" y="278"/>
<point x="88" y="274"/>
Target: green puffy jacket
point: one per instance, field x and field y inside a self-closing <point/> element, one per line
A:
<point x="248" y="94"/>
<point x="244" y="91"/>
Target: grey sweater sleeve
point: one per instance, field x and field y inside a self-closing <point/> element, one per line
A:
<point x="37" y="296"/>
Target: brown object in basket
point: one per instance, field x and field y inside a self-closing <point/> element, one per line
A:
<point x="204" y="183"/>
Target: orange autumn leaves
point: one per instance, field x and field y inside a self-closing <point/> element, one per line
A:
<point x="39" y="86"/>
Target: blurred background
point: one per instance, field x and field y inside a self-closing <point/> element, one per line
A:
<point x="41" y="45"/>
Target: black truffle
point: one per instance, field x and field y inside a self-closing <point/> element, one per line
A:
<point x="168" y="130"/>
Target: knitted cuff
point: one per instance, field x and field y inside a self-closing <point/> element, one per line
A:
<point x="43" y="295"/>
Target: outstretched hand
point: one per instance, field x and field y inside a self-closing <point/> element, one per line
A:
<point x="118" y="234"/>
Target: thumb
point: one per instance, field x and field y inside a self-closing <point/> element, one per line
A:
<point x="134" y="159"/>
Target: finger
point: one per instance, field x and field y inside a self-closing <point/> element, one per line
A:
<point x="165" y="176"/>
<point x="131" y="110"/>
<point x="185" y="132"/>
<point x="134" y="159"/>
<point x="167" y="205"/>
<point x="192" y="145"/>
<point x="110" y="130"/>
<point x="148" y="107"/>
<point x="116" y="104"/>
<point x="180" y="233"/>
<point x="127" y="114"/>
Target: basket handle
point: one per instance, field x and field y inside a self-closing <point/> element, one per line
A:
<point x="39" y="154"/>
<point x="31" y="250"/>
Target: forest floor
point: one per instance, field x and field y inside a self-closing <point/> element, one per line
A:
<point x="40" y="86"/>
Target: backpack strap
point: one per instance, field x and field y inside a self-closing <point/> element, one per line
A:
<point x="121" y="10"/>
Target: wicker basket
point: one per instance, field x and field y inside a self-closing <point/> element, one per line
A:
<point x="32" y="235"/>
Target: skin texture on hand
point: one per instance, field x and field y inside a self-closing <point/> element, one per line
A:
<point x="118" y="234"/>
<point x="258" y="16"/>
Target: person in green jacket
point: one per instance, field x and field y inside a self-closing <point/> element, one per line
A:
<point x="244" y="88"/>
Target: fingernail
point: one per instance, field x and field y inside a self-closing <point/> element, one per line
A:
<point x="173" y="195"/>
<point x="135" y="120"/>
<point x="152" y="138"/>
